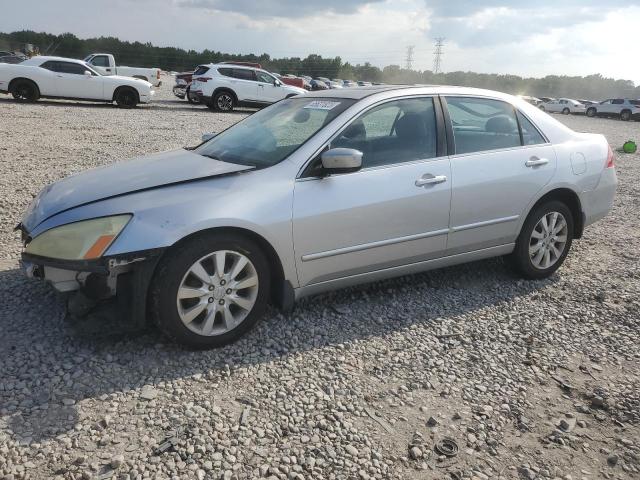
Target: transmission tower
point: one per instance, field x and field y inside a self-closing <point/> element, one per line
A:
<point x="409" y="58"/>
<point x="437" y="54"/>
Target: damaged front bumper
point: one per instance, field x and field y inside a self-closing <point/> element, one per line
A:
<point x="108" y="287"/>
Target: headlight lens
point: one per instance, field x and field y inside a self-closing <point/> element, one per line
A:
<point x="84" y="240"/>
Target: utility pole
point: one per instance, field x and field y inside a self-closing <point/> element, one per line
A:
<point x="437" y="54"/>
<point x="409" y="58"/>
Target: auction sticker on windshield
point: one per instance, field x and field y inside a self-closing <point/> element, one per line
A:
<point x="321" y="105"/>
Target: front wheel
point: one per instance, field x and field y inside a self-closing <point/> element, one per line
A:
<point x="591" y="112"/>
<point x="211" y="290"/>
<point x="544" y="241"/>
<point x="625" y="116"/>
<point x="566" y="111"/>
<point x="126" y="98"/>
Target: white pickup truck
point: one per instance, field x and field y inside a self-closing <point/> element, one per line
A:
<point x="105" y="64"/>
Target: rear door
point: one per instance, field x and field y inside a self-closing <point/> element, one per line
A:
<point x="392" y="212"/>
<point x="245" y="84"/>
<point x="497" y="169"/>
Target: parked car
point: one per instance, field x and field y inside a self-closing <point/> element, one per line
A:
<point x="362" y="83"/>
<point x="105" y="64"/>
<point x="317" y="84"/>
<point x="334" y="84"/>
<point x="349" y="84"/>
<point x="564" y="106"/>
<point x="58" y="77"/>
<point x="370" y="186"/>
<point x="622" y="108"/>
<point x="12" y="57"/>
<point x="326" y="81"/>
<point x="547" y="99"/>
<point x="224" y="87"/>
<point x="182" y="88"/>
<point x="587" y="102"/>
<point x="293" y="80"/>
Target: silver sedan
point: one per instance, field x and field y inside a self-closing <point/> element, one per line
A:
<point x="317" y="193"/>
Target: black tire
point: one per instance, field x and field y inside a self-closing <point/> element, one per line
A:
<point x="541" y="107"/>
<point x="591" y="112"/>
<point x="566" y="111"/>
<point x="224" y="101"/>
<point x="126" y="98"/>
<point x="25" y="91"/>
<point x="625" y="115"/>
<point x="521" y="259"/>
<point x="173" y="267"/>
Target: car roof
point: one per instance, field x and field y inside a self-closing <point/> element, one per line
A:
<point x="363" y="92"/>
<point x="42" y="58"/>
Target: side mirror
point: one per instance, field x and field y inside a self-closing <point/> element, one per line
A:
<point x="87" y="73"/>
<point x="341" y="160"/>
<point x="208" y="136"/>
<point x="277" y="83"/>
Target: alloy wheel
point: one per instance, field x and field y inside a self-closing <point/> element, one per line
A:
<point x="217" y="293"/>
<point x="225" y="102"/>
<point x="548" y="240"/>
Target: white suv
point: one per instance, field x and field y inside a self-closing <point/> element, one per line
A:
<point x="623" y="108"/>
<point x="225" y="86"/>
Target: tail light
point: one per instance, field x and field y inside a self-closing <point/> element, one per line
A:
<point x="202" y="79"/>
<point x="610" y="158"/>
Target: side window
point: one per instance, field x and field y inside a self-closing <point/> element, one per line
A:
<point x="50" y="65"/>
<point x="481" y="124"/>
<point x="264" y="77"/>
<point x="618" y="101"/>
<point x="605" y="102"/>
<point x="73" y="68"/>
<point x="394" y="132"/>
<point x="100" y="61"/>
<point x="530" y="134"/>
<point x="244" y="74"/>
<point x="227" y="72"/>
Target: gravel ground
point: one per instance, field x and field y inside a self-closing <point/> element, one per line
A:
<point x="530" y="379"/>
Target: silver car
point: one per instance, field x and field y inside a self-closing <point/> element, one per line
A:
<point x="317" y="193"/>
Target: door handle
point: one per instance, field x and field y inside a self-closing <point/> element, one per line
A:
<point x="108" y="69"/>
<point x="536" y="162"/>
<point x="428" y="179"/>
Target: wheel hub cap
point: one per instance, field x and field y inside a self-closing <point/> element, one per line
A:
<point x="548" y="240"/>
<point x="217" y="293"/>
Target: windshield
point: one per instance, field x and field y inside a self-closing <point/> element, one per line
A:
<point x="271" y="135"/>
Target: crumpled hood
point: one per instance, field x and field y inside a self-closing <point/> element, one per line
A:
<point x="121" y="178"/>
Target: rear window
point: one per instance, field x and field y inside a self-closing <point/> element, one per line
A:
<point x="201" y="70"/>
<point x="244" y="74"/>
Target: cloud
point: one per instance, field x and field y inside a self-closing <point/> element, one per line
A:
<point x="278" y="8"/>
<point x="466" y="8"/>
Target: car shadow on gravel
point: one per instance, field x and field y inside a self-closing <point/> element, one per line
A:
<point x="50" y="369"/>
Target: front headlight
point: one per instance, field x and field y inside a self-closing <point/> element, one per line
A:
<point x="84" y="240"/>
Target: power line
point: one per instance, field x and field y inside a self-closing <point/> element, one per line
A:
<point x="437" y="54"/>
<point x="409" y="58"/>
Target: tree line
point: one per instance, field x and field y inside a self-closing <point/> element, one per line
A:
<point x="177" y="59"/>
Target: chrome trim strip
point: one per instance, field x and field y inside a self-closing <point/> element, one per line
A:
<point x="367" y="246"/>
<point x="485" y="223"/>
<point x="410" y="269"/>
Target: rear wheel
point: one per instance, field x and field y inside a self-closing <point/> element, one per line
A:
<point x="224" y="102"/>
<point x="625" y="115"/>
<point x="25" y="91"/>
<point x="541" y="107"/>
<point x="211" y="290"/>
<point x="566" y="111"/>
<point x="126" y="98"/>
<point x="591" y="112"/>
<point x="544" y="241"/>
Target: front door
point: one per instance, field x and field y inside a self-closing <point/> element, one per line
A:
<point x="268" y="91"/>
<point x="496" y="172"/>
<point x="392" y="212"/>
<point x="72" y="82"/>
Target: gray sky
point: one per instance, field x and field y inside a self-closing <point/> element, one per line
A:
<point x="528" y="38"/>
